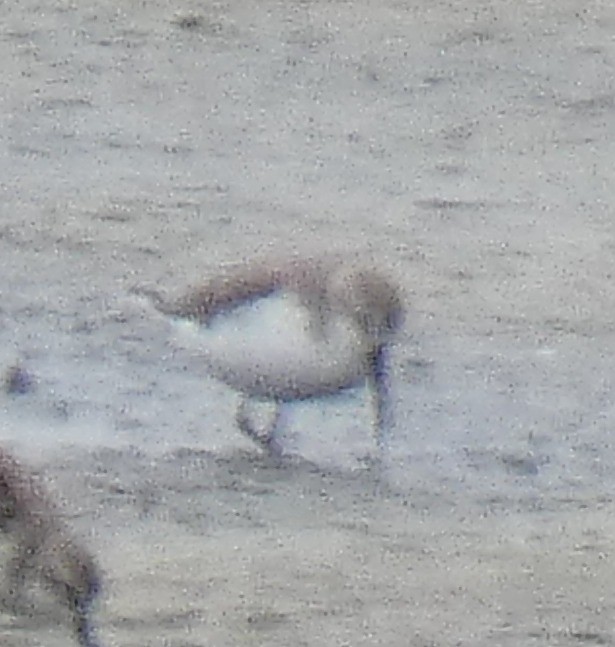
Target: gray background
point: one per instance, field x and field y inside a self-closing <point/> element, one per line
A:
<point x="470" y="146"/>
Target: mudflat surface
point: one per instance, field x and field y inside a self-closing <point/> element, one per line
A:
<point x="467" y="145"/>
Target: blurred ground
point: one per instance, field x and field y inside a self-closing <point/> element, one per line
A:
<point x="468" y="144"/>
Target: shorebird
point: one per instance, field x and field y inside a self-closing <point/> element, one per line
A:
<point x="353" y="311"/>
<point x="44" y="549"/>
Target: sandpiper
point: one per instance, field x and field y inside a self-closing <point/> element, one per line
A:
<point x="352" y="310"/>
<point x="44" y="549"/>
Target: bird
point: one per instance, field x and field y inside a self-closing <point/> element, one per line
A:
<point x="353" y="312"/>
<point x="44" y="549"/>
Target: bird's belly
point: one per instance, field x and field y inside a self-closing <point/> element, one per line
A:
<point x="267" y="350"/>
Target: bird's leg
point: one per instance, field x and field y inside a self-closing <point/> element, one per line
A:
<point x="85" y="631"/>
<point x="82" y="608"/>
<point x="268" y="441"/>
<point x="245" y="424"/>
<point x="280" y="421"/>
<point x="379" y="383"/>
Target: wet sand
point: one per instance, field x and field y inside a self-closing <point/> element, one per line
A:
<point x="468" y="147"/>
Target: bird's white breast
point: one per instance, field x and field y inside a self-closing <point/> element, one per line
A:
<point x="267" y="349"/>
